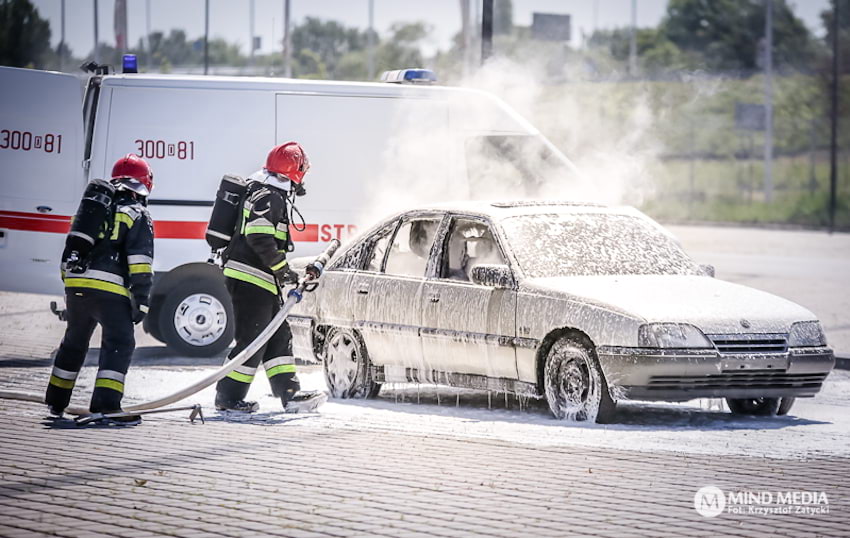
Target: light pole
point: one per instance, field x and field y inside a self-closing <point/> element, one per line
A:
<point x="96" y="38"/>
<point x="148" y="32"/>
<point x="62" y="41"/>
<point x="206" y="36"/>
<point x="768" y="102"/>
<point x="251" y="30"/>
<point x="287" y="41"/>
<point x="370" y="45"/>
<point x="486" y="31"/>
<point x="633" y="42"/>
<point x="833" y="143"/>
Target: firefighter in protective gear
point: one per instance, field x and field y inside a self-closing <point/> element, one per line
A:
<point x="110" y="288"/>
<point x="256" y="268"/>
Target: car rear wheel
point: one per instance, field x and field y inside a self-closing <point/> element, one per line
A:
<point x="348" y="372"/>
<point x="575" y="385"/>
<point x="763" y="407"/>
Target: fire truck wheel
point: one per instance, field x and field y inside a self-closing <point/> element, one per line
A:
<point x="196" y="318"/>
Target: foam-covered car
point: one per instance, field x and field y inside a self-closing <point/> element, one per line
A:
<point x="583" y="305"/>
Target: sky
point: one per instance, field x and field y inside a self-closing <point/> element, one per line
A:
<point x="230" y="19"/>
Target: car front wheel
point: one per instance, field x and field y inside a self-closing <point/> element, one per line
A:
<point x="763" y="407"/>
<point x="346" y="365"/>
<point x="574" y="383"/>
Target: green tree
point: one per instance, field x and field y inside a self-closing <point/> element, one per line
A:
<point x="728" y="34"/>
<point x="329" y="40"/>
<point x="402" y="50"/>
<point x="24" y="35"/>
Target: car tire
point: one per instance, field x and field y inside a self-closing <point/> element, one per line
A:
<point x="151" y="322"/>
<point x="785" y="405"/>
<point x="575" y="385"/>
<point x="761" y="407"/>
<point x="346" y="365"/>
<point x="196" y="318"/>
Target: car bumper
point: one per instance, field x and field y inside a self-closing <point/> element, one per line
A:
<point x="679" y="375"/>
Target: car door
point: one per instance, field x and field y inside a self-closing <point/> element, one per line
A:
<point x="363" y="283"/>
<point x="391" y="325"/>
<point x="468" y="328"/>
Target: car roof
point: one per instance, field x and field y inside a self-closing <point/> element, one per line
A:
<point x="501" y="209"/>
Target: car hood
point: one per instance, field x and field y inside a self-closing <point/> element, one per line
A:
<point x="715" y="306"/>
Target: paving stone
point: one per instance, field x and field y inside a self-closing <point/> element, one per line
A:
<point x="170" y="477"/>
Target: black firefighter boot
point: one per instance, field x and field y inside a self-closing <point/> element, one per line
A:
<point x="287" y="387"/>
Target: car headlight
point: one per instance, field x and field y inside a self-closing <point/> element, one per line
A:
<point x="806" y="334"/>
<point x="672" y="335"/>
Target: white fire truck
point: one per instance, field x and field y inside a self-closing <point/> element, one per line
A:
<point x="58" y="132"/>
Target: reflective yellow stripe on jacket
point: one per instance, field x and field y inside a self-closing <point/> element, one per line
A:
<point x="252" y="275"/>
<point x="95" y="284"/>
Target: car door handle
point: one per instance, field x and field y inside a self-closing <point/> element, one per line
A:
<point x="435" y="298"/>
<point x="363" y="291"/>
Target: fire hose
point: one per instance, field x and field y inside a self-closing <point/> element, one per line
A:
<point x="307" y="283"/>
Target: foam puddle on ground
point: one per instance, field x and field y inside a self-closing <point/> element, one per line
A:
<point x="816" y="427"/>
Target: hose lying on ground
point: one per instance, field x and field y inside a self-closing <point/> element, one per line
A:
<point x="294" y="296"/>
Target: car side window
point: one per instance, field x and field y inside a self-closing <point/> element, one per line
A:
<point x="470" y="243"/>
<point x="351" y="260"/>
<point x="411" y="247"/>
<point x="379" y="249"/>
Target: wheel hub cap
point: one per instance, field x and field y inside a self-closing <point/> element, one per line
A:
<point x="200" y="319"/>
<point x="341" y="362"/>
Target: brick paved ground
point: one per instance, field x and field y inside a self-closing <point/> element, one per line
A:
<point x="286" y="475"/>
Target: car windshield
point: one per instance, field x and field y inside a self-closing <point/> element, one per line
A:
<point x="593" y="244"/>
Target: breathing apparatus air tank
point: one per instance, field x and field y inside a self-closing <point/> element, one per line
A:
<point x="226" y="211"/>
<point x="91" y="220"/>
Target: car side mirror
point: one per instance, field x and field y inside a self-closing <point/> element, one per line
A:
<point x="492" y="275"/>
<point x="706" y="269"/>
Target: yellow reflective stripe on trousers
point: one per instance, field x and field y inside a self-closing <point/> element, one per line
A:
<point x="251" y="279"/>
<point x="242" y="378"/>
<point x="61" y="383"/>
<point x="96" y="285"/>
<point x="109" y="384"/>
<point x="281" y="369"/>
<point x="277" y="266"/>
<point x="137" y="268"/>
<point x="279" y="234"/>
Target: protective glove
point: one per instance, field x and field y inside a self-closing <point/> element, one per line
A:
<point x="285" y="275"/>
<point x="140" y="310"/>
<point x="300" y="190"/>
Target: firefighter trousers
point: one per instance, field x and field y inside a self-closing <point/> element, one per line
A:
<point x="254" y="308"/>
<point x="85" y="310"/>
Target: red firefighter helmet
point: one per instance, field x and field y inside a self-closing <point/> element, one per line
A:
<point x="288" y="160"/>
<point x="134" y="173"/>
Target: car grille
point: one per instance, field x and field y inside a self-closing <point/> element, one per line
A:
<point x="734" y="380"/>
<point x="750" y="343"/>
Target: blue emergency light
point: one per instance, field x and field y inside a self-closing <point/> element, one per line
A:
<point x="131" y="64"/>
<point x="409" y="76"/>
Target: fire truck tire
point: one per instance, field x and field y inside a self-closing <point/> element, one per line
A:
<point x="196" y="317"/>
<point x="151" y="322"/>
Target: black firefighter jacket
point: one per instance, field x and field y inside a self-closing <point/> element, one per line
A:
<point x="123" y="264"/>
<point x="259" y="250"/>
